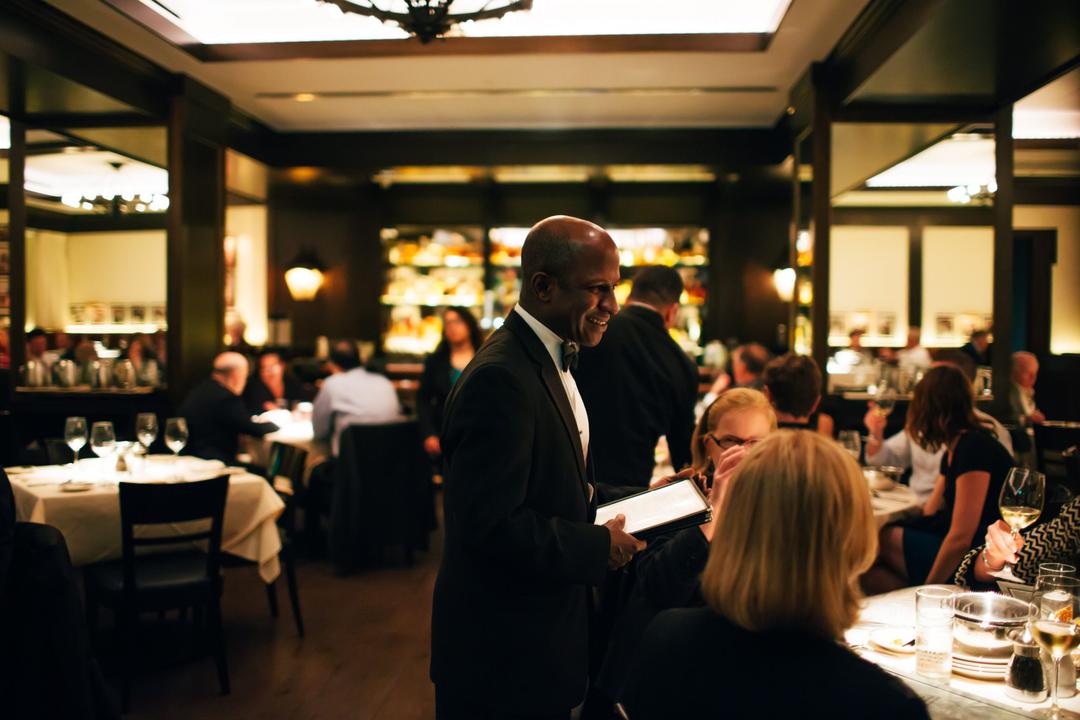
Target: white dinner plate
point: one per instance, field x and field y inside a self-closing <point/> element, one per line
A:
<point x="978" y="673"/>
<point x="894" y="640"/>
<point x="76" y="487"/>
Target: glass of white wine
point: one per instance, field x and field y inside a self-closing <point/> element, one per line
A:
<point x="176" y="437"/>
<point x="75" y="437"/>
<point x="1021" y="503"/>
<point x="1053" y="623"/>
<point x="885" y="399"/>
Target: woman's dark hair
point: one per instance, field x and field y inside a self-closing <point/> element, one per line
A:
<point x="942" y="407"/>
<point x="476" y="337"/>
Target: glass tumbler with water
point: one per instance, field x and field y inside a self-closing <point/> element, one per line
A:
<point x="933" y="632"/>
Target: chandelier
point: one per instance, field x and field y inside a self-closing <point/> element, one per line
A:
<point x="118" y="197"/>
<point x="429" y="19"/>
<point x="977" y="193"/>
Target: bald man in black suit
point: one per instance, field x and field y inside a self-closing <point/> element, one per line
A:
<point x="509" y="619"/>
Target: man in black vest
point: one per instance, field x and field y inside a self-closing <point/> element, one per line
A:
<point x="638" y="384"/>
<point x="509" y="629"/>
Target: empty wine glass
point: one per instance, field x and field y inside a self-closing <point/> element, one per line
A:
<point x="176" y="436"/>
<point x="146" y="430"/>
<point x="75" y="437"/>
<point x="1021" y="503"/>
<point x="851" y="442"/>
<point x="102" y="439"/>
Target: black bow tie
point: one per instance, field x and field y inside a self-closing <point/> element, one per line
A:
<point x="569" y="355"/>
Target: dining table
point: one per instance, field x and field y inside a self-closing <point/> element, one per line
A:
<point x="82" y="501"/>
<point x="956" y="697"/>
<point x="294" y="428"/>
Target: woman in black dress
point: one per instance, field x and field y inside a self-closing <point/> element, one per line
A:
<point x="781" y="587"/>
<point x="928" y="549"/>
<point x="461" y="339"/>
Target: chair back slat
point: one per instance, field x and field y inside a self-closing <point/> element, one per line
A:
<point x="165" y="504"/>
<point x="287" y="461"/>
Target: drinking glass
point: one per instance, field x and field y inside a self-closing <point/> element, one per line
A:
<point x="886" y="397"/>
<point x="1021" y="503"/>
<point x="1053" y="625"/>
<point x="933" y="631"/>
<point x="146" y="429"/>
<point x="176" y="436"/>
<point x="75" y="437"/>
<point x="851" y="442"/>
<point x="102" y="439"/>
<point x="1061" y="569"/>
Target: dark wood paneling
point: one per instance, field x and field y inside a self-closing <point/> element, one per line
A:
<point x="40" y="34"/>
<point x="1003" y="259"/>
<point x="821" y="213"/>
<point x="657" y="204"/>
<point x="68" y="223"/>
<point x="435" y="204"/>
<point x="367" y="152"/>
<point x="525" y="204"/>
<point x="196" y="264"/>
<point x="16" y="201"/>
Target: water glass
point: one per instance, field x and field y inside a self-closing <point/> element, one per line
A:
<point x="933" y="632"/>
<point x="146" y="429"/>
<point x="1059" y="569"/>
<point x="851" y="442"/>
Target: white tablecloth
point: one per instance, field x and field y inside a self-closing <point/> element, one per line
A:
<point x="90" y="520"/>
<point x="895" y="504"/>
<point x="897" y="609"/>
<point x="298" y="433"/>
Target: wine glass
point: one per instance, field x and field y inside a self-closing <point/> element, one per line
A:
<point x="1021" y="503"/>
<point x="102" y="439"/>
<point x="176" y="436"/>
<point x="75" y="437"/>
<point x="146" y="430"/>
<point x="1053" y="625"/>
<point x="851" y="442"/>
<point x="885" y="400"/>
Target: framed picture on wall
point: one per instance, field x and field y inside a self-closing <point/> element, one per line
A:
<point x="157" y="314"/>
<point x="137" y="314"/>
<point x="886" y="323"/>
<point x="98" y="313"/>
<point x="77" y="313"/>
<point x="5" y="257"/>
<point x="943" y="325"/>
<point x="836" y="324"/>
<point x="118" y="314"/>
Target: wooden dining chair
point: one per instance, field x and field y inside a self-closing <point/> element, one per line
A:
<point x="158" y="581"/>
<point x="1050" y="442"/>
<point x="285" y="471"/>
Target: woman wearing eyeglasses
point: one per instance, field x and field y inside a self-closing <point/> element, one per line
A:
<point x="666" y="573"/>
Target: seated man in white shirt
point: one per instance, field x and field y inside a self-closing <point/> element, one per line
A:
<point x="352" y="397"/>
<point x="900" y="450"/>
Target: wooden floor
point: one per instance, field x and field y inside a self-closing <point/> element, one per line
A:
<point x="365" y="655"/>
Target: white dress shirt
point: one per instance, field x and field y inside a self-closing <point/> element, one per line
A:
<point x="356" y="397"/>
<point x="553" y="344"/>
<point x="900" y="450"/>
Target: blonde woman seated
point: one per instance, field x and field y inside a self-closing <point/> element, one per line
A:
<point x="666" y="573"/>
<point x="781" y="587"/>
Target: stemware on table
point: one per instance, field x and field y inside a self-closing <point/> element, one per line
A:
<point x="75" y="436"/>
<point x="1021" y="503"/>
<point x="1055" y="611"/>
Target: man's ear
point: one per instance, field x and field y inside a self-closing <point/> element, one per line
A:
<point x="543" y="286"/>
<point x="670" y="313"/>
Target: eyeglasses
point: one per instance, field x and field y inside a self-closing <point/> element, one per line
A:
<point x="730" y="441"/>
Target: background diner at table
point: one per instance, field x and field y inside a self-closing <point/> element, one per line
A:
<point x="559" y="360"/>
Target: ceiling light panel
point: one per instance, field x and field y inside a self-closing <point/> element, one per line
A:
<point x="959" y="160"/>
<point x="266" y="21"/>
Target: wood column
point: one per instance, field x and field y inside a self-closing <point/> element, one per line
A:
<point x="1003" y="259"/>
<point x="821" y="215"/>
<point x="17" y="246"/>
<point x="196" y="232"/>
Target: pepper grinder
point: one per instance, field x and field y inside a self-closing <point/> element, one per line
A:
<point x="1025" y="680"/>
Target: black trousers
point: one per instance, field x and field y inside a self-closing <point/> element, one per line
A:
<point x="453" y="707"/>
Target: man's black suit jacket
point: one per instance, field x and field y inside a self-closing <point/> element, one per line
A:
<point x="637" y="385"/>
<point x="509" y="620"/>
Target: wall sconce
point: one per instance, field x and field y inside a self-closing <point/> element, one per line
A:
<point x="304" y="276"/>
<point x="784" y="280"/>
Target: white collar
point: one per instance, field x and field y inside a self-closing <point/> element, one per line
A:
<point x="552" y="342"/>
